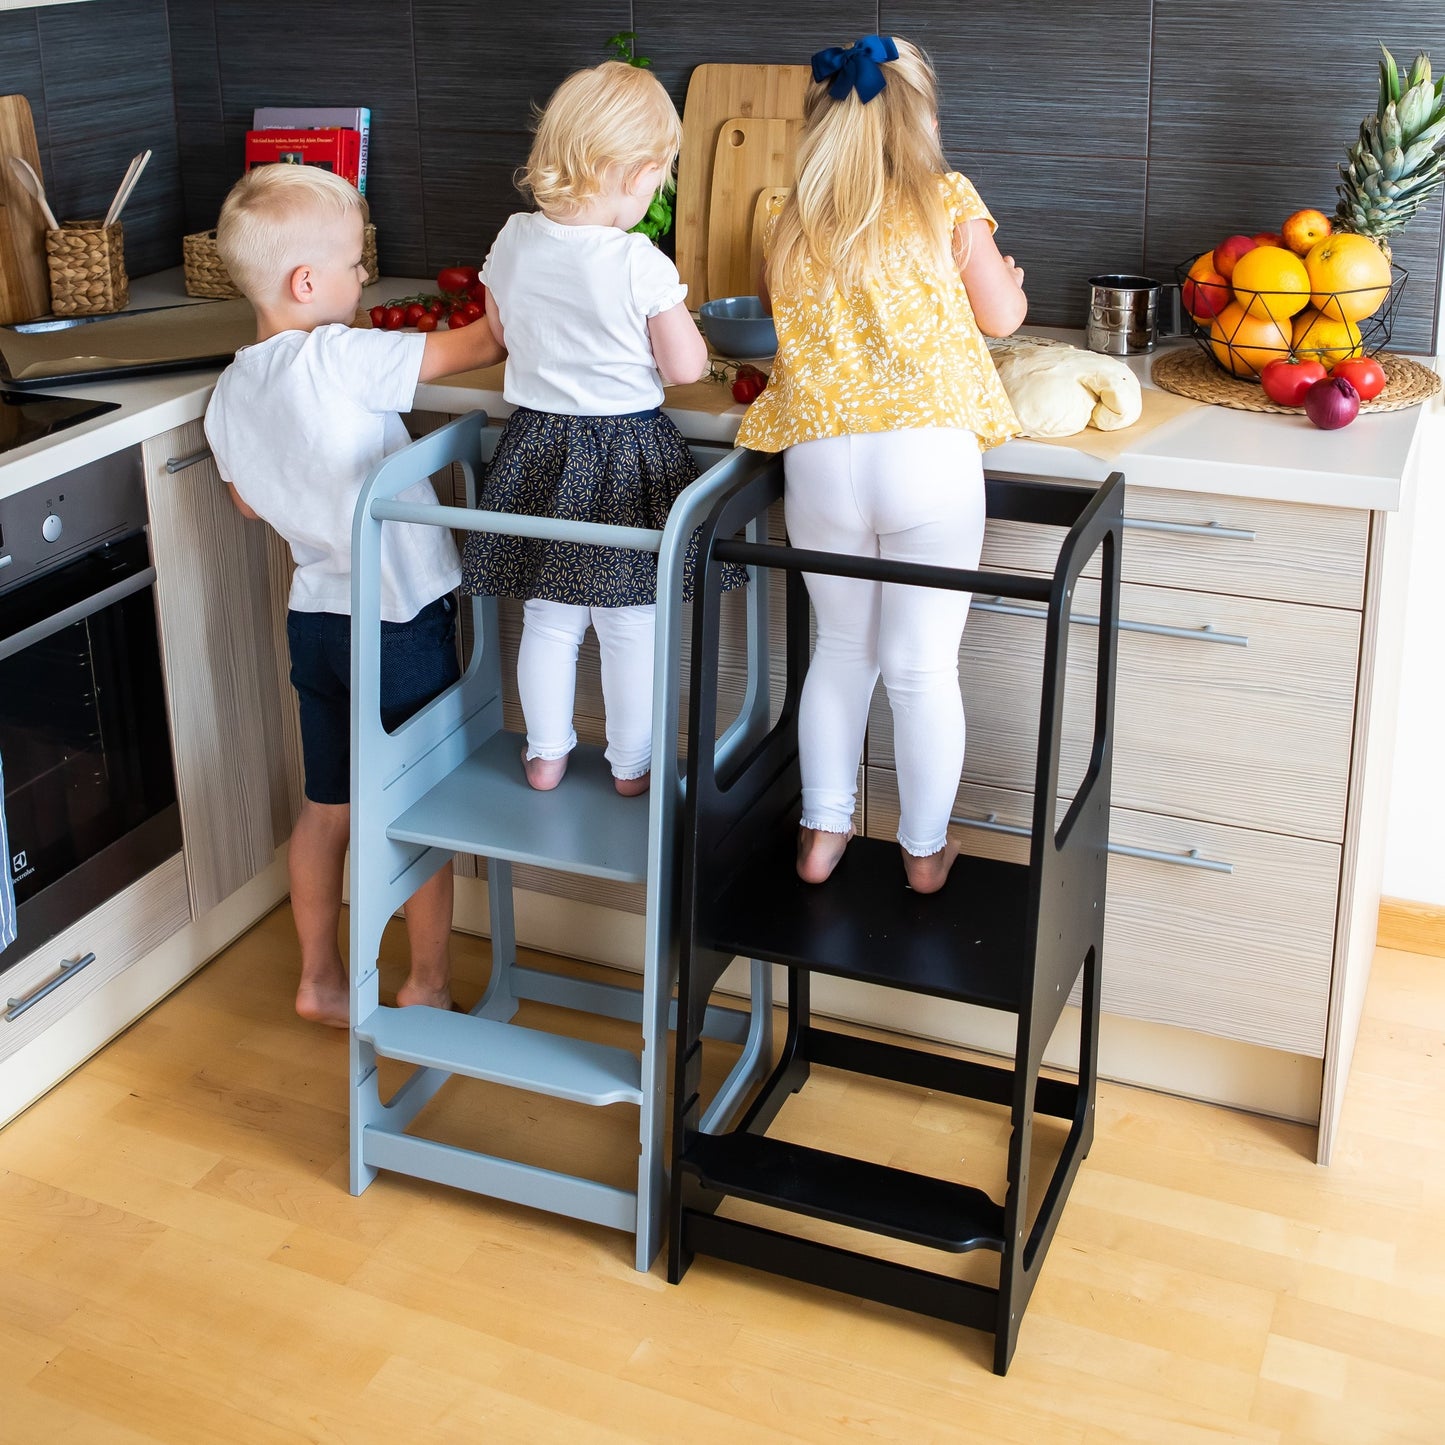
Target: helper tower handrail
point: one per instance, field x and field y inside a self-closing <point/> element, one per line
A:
<point x="450" y="781"/>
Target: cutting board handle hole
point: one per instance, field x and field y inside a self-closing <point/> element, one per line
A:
<point x="736" y="137"/>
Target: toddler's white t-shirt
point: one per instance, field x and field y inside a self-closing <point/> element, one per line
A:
<point x="574" y="302"/>
<point x="296" y="423"/>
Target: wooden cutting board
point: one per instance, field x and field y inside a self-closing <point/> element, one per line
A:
<point x="752" y="156"/>
<point x="714" y="94"/>
<point x="770" y="200"/>
<point x="24" y="276"/>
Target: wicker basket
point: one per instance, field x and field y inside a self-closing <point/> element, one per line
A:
<point x="206" y="273"/>
<point x="87" y="268"/>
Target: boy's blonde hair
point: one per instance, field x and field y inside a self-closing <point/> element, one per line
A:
<point x="613" y="115"/>
<point x="867" y="177"/>
<point x="275" y="219"/>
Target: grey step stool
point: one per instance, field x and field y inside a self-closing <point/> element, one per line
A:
<point x="450" y="781"/>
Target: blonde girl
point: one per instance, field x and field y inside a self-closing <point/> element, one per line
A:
<point x="594" y="323"/>
<point x="883" y="277"/>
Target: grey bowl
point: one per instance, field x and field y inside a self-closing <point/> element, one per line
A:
<point x="737" y="326"/>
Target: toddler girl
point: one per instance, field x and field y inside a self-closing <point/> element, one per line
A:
<point x="883" y="276"/>
<point x="594" y="324"/>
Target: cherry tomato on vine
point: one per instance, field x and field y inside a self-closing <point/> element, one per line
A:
<point x="456" y="278"/>
<point x="395" y="318"/>
<point x="426" y="322"/>
<point x="414" y="313"/>
<point x="457" y="320"/>
<point x="378" y="315"/>
<point x="471" y="310"/>
<point x="477" y="292"/>
<point x="438" y="309"/>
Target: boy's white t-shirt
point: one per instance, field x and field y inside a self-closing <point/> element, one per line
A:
<point x="296" y="423"/>
<point x="574" y="302"/>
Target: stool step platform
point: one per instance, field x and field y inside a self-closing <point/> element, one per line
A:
<point x="485" y="807"/>
<point x="896" y="1202"/>
<point x="529" y="1059"/>
<point x="967" y="941"/>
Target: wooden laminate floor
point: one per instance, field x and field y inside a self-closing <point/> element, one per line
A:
<point x="180" y="1261"/>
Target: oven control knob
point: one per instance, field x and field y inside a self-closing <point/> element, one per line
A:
<point x="51" y="528"/>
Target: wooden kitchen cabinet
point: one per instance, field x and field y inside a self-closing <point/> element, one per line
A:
<point x="220" y="588"/>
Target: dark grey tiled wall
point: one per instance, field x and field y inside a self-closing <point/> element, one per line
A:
<point x="98" y="78"/>
<point x="1125" y="134"/>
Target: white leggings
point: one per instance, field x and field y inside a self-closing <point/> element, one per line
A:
<point x="909" y="496"/>
<point x="547" y="679"/>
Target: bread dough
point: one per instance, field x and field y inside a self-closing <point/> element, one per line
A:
<point x="1059" y="390"/>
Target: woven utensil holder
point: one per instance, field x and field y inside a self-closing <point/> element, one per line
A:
<point x="206" y="273"/>
<point x="87" y="268"/>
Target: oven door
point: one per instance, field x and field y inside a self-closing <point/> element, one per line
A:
<point x="90" y="795"/>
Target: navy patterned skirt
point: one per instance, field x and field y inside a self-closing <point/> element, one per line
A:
<point x="625" y="471"/>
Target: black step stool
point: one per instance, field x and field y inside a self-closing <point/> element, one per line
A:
<point x="1008" y="936"/>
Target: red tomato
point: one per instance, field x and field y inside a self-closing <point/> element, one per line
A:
<point x="414" y="313"/>
<point x="472" y="310"/>
<point x="1363" y="373"/>
<point x="477" y="292"/>
<point x="456" y="278"/>
<point x="457" y="320"/>
<point x="395" y="318"/>
<point x="426" y="322"/>
<point x="1285" y="380"/>
<point x="438" y="309"/>
<point x="378" y="315"/>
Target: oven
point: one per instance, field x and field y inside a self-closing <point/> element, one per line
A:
<point x="90" y="795"/>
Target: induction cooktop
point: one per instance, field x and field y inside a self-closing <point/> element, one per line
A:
<point x="28" y="416"/>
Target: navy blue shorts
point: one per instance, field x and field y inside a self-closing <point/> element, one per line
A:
<point x="418" y="661"/>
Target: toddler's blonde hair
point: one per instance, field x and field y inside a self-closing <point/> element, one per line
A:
<point x="614" y="115"/>
<point x="867" y="177"/>
<point x="275" y="219"/>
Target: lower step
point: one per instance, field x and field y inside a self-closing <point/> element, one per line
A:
<point x="530" y="1059"/>
<point x="894" y="1202"/>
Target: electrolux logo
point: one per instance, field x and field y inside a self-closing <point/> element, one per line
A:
<point x="20" y="866"/>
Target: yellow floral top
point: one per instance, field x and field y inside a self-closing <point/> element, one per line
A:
<point x="891" y="357"/>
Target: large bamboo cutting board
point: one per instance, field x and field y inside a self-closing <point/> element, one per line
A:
<point x="714" y="94"/>
<point x="752" y="156"/>
<point x="24" y="277"/>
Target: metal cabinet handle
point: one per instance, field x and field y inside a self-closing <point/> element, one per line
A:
<point x="1190" y="529"/>
<point x="1191" y="859"/>
<point x="1155" y="629"/>
<point x="179" y="464"/>
<point x="69" y="967"/>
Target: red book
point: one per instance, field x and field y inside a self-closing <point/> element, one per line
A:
<point x="332" y="150"/>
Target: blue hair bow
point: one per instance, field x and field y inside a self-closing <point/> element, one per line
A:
<point x="857" y="68"/>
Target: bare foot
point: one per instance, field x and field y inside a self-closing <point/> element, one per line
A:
<point x="544" y="774"/>
<point x="928" y="875"/>
<point x="631" y="787"/>
<point x="410" y="994"/>
<point x="819" y="853"/>
<point x="325" y="1003"/>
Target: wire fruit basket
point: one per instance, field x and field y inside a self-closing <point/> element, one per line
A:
<point x="1244" y="335"/>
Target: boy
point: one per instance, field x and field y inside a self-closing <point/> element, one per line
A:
<point x="296" y="423"/>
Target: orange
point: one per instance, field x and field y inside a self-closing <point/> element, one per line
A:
<point x="1304" y="229"/>
<point x="1246" y="344"/>
<point x="1349" y="276"/>
<point x="1270" y="281"/>
<point x="1325" y="339"/>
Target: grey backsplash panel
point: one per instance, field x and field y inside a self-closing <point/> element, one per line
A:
<point x="1121" y="134"/>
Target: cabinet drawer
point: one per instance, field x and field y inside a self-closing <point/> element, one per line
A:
<point x="1243" y="953"/>
<point x="122" y="930"/>
<point x="1278" y="550"/>
<point x="1256" y="735"/>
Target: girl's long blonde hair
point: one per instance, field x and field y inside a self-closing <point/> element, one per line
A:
<point x="867" y="180"/>
<point x="613" y="115"/>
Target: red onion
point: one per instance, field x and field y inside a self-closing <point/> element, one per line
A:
<point x="1332" y="403"/>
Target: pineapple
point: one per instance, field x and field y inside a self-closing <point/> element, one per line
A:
<point x="1399" y="159"/>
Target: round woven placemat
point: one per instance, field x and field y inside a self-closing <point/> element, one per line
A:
<point x="1188" y="372"/>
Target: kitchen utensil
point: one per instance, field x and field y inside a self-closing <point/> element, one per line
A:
<point x="714" y="93"/>
<point x="25" y="173"/>
<point x="752" y="155"/>
<point x="770" y="201"/>
<point x="738" y="326"/>
<point x="1123" y="314"/>
<point x="128" y="184"/>
<point x="24" y="278"/>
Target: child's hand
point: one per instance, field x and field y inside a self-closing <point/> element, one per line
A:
<point x="1016" y="273"/>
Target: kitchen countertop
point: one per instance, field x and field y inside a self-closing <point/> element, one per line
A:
<point x="1208" y="449"/>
